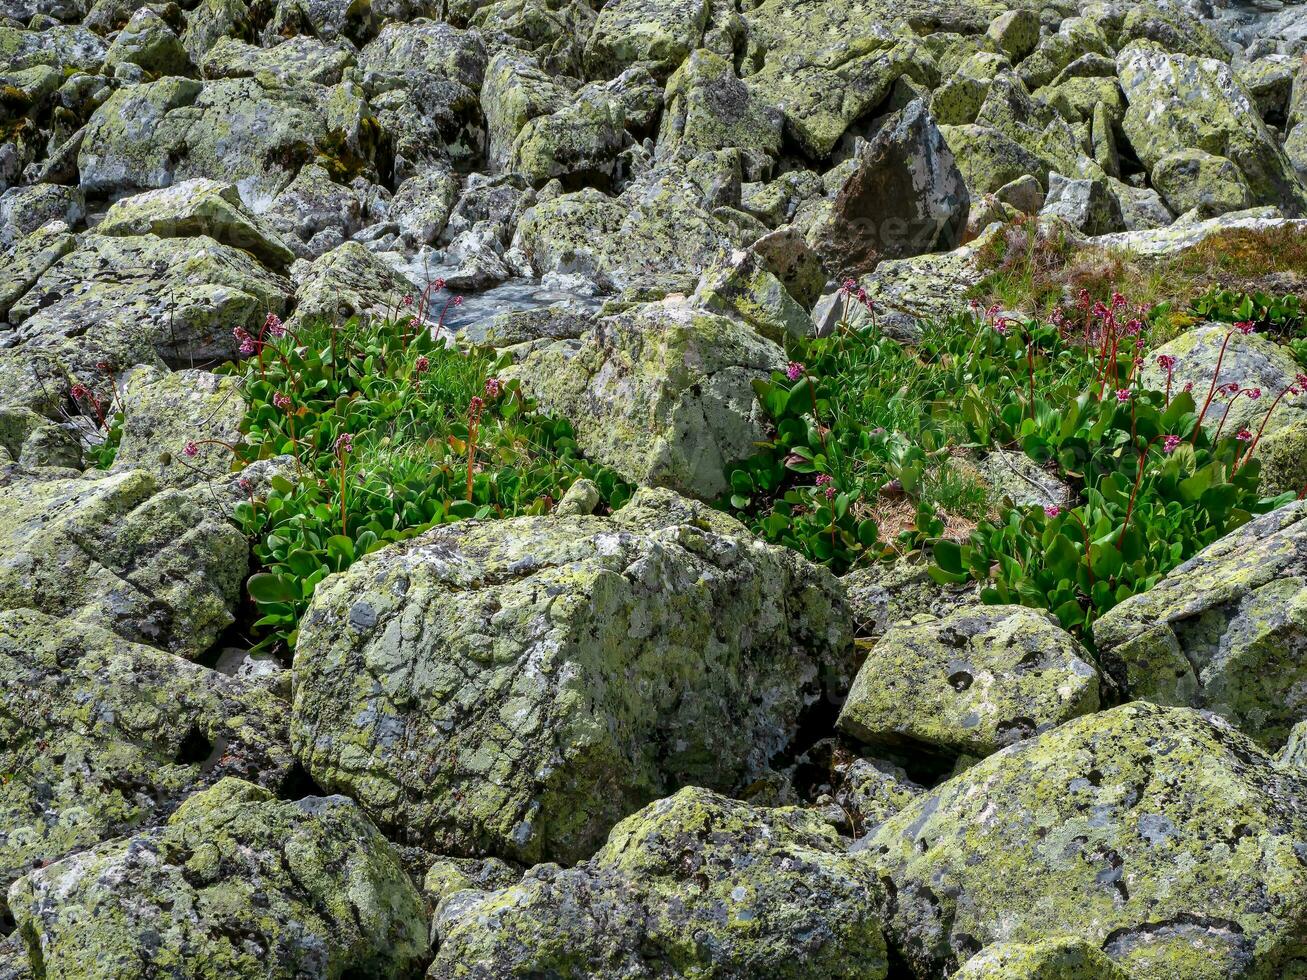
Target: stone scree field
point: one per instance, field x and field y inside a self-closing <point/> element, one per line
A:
<point x="653" y="488"/>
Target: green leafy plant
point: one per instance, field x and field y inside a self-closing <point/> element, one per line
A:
<point x="388" y="433"/>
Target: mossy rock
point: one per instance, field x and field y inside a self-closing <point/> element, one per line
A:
<point x="980" y="679"/>
<point x="1068" y="958"/>
<point x="31" y="257"/>
<point x="515" y="688"/>
<point x="659" y="34"/>
<point x="1160" y="836"/>
<point x="238" y="884"/>
<point x="294" y="60"/>
<point x="663" y="393"/>
<point x="1194" y="181"/>
<point x="708" y="108"/>
<point x="101" y="737"/>
<point x="1224" y="631"/>
<point x="155" y="566"/>
<point x="692" y="885"/>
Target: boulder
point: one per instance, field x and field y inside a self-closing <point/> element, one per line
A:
<point x="1016" y="33"/>
<point x="1179" y="102"/>
<point x="29" y="259"/>
<point x="1253" y="361"/>
<point x="1193" y="180"/>
<point x="774" y="894"/>
<point x="197" y="207"/>
<point x="25" y="209"/>
<point x="743" y="287"/>
<point x="1225" y="631"/>
<point x="209" y="21"/>
<point x="885" y="593"/>
<point x="580" y="141"/>
<point x="314" y="213"/>
<point x="553" y="32"/>
<point x="422" y="204"/>
<point x="238" y="882"/>
<point x="976" y="681"/>
<point x="232" y="129"/>
<point x="149" y="43"/>
<point x="827" y="64"/>
<point x="1142" y="208"/>
<point x="988" y="159"/>
<point x="1060" y="958"/>
<point x="1160" y="836"/>
<point x="102" y="737"/>
<point x="1011" y="475"/>
<point x="297" y="59"/>
<point x="657" y="235"/>
<point x="658" y="34"/>
<point x="517" y="90"/>
<point x="149" y="298"/>
<point x="1172" y="29"/>
<point x="957" y="100"/>
<point x="32" y="440"/>
<point x="329" y="20"/>
<point x="662" y="393"/>
<point x="156" y="567"/>
<point x="164" y="410"/>
<point x="515" y="688"/>
<point x="347" y="281"/>
<point x="904" y="197"/>
<point x="788" y="256"/>
<point x="1283" y="455"/>
<point x="68" y="48"/>
<point x="709" y="108"/>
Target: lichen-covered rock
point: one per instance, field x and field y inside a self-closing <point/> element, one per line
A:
<point x="100" y="737"/>
<point x="148" y="41"/>
<point x="1192" y="180"/>
<point x="1227" y="630"/>
<point x="517" y="687"/>
<point x="1180" y="238"/>
<point x="164" y="410"/>
<point x="233" y="129"/>
<point x="25" y="209"/>
<point x="297" y="59"/>
<point x="657" y="235"/>
<point x="905" y="196"/>
<point x="1172" y="29"/>
<point x="692" y="885"/>
<point x="988" y="159"/>
<point x="197" y="207"/>
<point x="980" y="679"/>
<point x="1164" y="838"/>
<point x="146" y="298"/>
<point x="658" y="34"/>
<point x="1015" y="32"/>
<point x="314" y="213"/>
<point x="154" y="567"/>
<point x="1179" y="102"/>
<point x="1086" y="204"/>
<point x="743" y="287"/>
<point x="825" y="64"/>
<point x="1252" y="360"/>
<point x="1283" y="455"/>
<point x="553" y="32"/>
<point x="450" y="875"/>
<point x="209" y="21"/>
<point x="580" y="141"/>
<point x="709" y="108"/>
<point x="786" y="254"/>
<point x="348" y="281"/>
<point x="517" y="90"/>
<point x="32" y="440"/>
<point x="422" y="204"/>
<point x="1142" y="208"/>
<point x="30" y="257"/>
<point x="237" y="884"/>
<point x="883" y="594"/>
<point x="662" y="393"/>
<point x="68" y="48"/>
<point x="1013" y="476"/>
<point x="1060" y="958"/>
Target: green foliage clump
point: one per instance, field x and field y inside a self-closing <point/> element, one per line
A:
<point x="391" y="433"/>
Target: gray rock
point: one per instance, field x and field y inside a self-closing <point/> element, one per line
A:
<point x="906" y="196"/>
<point x="621" y="649"/>
<point x="422" y="204"/>
<point x="25" y="209"/>
<point x="1087" y="205"/>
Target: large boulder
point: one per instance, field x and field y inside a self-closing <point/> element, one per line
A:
<point x="517" y="687"/>
<point x="1179" y="102"/>
<point x="709" y="108"/>
<point x="197" y="207"/>
<point x="971" y="683"/>
<point x="658" y="34"/>
<point x="1194" y="180"/>
<point x="1059" y="958"/>
<point x="517" y="90"/>
<point x="29" y="258"/>
<point x="718" y="887"/>
<point x="663" y="393"/>
<point x="743" y="287"/>
<point x="1164" y="838"/>
<point x="100" y="737"/>
<point x="146" y="298"/>
<point x="904" y="196"/>
<point x="239" y="130"/>
<point x="825" y="65"/>
<point x="580" y="141"/>
<point x="238" y="884"/>
<point x="149" y="43"/>
<point x="989" y="159"/>
<point x="155" y="567"/>
<point x="657" y="235"/>
<point x="1086" y="204"/>
<point x="348" y="281"/>
<point x="1226" y="631"/>
<point x="297" y="59"/>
